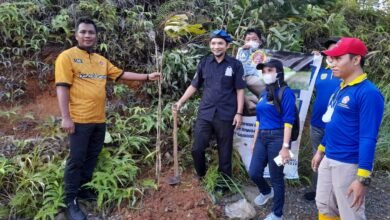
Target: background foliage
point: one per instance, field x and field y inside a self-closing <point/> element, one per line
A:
<point x="32" y="33"/>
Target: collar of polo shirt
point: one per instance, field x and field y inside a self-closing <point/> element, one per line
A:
<point x="357" y="80"/>
<point x="212" y="58"/>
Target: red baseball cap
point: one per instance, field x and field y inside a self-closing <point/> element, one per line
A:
<point x="347" y="45"/>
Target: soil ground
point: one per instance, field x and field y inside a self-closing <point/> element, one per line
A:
<point x="187" y="200"/>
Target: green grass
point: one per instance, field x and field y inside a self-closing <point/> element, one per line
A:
<point x="382" y="159"/>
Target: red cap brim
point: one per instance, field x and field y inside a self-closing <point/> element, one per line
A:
<point x="335" y="52"/>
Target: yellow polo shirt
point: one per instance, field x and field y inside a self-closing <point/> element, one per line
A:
<point x="86" y="75"/>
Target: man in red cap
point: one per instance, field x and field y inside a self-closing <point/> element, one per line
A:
<point x="344" y="159"/>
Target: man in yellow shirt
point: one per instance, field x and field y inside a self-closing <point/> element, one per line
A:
<point x="80" y="77"/>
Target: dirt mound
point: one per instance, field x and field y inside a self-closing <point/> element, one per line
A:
<point x="187" y="200"/>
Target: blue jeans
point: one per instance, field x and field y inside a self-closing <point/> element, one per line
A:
<point x="267" y="147"/>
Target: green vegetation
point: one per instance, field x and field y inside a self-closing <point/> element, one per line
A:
<point x="32" y="33"/>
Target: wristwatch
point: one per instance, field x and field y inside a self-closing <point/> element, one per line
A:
<point x="365" y="181"/>
<point x="286" y="145"/>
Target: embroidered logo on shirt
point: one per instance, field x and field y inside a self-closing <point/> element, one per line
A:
<point x="78" y="60"/>
<point x="229" y="71"/>
<point x="323" y="76"/>
<point x="344" y="102"/>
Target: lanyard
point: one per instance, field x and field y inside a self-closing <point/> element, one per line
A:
<point x="333" y="99"/>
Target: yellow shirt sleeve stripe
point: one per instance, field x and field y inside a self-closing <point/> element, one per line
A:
<point x="321" y="148"/>
<point x="288" y="125"/>
<point x="363" y="173"/>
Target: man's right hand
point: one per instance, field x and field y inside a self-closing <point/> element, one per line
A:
<point x="67" y="125"/>
<point x="316" y="53"/>
<point x="176" y="107"/>
<point x="246" y="46"/>
<point x="315" y="162"/>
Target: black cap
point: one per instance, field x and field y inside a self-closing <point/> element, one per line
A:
<point x="272" y="63"/>
<point x="330" y="41"/>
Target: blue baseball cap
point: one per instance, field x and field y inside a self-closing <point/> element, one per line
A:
<point x="221" y="34"/>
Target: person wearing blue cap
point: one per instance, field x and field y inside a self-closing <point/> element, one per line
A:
<point x="275" y="119"/>
<point x="221" y="106"/>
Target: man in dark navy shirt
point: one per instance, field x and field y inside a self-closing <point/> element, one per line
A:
<point x="220" y="110"/>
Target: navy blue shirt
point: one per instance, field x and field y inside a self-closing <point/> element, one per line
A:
<point x="220" y="82"/>
<point x="267" y="115"/>
<point x="325" y="85"/>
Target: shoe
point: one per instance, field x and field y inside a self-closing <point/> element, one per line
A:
<point x="197" y="177"/>
<point x="262" y="199"/>
<point x="310" y="196"/>
<point x="87" y="194"/>
<point x="74" y="212"/>
<point x="272" y="216"/>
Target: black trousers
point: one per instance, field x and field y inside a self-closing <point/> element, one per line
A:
<point x="85" y="145"/>
<point x="224" y="133"/>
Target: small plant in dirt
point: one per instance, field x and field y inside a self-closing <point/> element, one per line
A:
<point x="33" y="187"/>
<point x="214" y="179"/>
<point x="50" y="127"/>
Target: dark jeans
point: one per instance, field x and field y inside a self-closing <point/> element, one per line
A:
<point x="224" y="133"/>
<point x="267" y="147"/>
<point x="316" y="135"/>
<point x="85" y="145"/>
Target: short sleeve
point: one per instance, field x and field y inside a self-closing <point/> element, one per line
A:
<point x="63" y="70"/>
<point x="288" y="106"/>
<point x="197" y="81"/>
<point x="113" y="72"/>
<point x="238" y="55"/>
<point x="239" y="80"/>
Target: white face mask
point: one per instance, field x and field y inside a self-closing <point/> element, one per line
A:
<point x="269" y="78"/>
<point x="328" y="62"/>
<point x="254" y="44"/>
